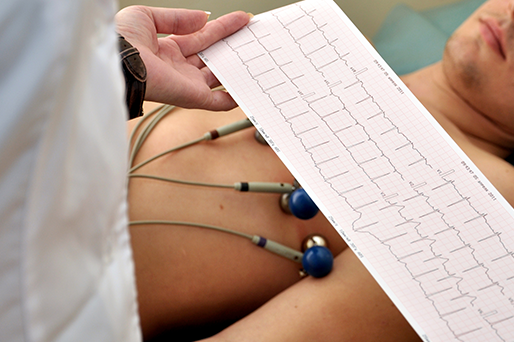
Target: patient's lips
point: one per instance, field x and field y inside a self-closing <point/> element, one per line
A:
<point x="493" y="35"/>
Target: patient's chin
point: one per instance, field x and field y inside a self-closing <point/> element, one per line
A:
<point x="460" y="63"/>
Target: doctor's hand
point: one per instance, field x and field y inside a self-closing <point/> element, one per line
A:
<point x="176" y="75"/>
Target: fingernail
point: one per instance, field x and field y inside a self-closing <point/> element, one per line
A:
<point x="208" y="14"/>
<point x="250" y="15"/>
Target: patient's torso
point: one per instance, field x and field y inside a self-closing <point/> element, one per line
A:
<point x="192" y="276"/>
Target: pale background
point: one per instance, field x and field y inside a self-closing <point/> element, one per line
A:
<point x="367" y="15"/>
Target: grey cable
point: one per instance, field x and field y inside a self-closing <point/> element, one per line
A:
<point x="179" y="181"/>
<point x="269" y="245"/>
<point x="191" y="224"/>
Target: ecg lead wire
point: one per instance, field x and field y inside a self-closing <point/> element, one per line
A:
<point x="257" y="240"/>
<point x="268" y="187"/>
<point x="211" y="135"/>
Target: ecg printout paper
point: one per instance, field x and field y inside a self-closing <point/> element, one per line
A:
<point x="425" y="222"/>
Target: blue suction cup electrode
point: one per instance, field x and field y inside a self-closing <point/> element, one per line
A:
<point x="317" y="261"/>
<point x="301" y="205"/>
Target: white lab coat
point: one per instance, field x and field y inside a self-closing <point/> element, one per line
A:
<point x="66" y="269"/>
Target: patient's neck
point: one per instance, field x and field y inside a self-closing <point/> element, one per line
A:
<point x="457" y="116"/>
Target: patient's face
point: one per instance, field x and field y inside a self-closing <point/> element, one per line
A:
<point x="479" y="58"/>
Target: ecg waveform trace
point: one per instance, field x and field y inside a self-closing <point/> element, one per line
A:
<point x="424" y="220"/>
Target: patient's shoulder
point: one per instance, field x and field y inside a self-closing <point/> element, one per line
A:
<point x="497" y="170"/>
<point x="488" y="158"/>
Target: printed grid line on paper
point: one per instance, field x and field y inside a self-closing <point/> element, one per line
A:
<point x="424" y="221"/>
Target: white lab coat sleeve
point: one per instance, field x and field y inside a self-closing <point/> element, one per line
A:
<point x="66" y="269"/>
